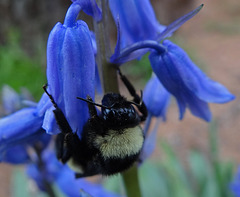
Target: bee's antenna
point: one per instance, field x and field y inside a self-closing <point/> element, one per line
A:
<point x="50" y="96"/>
<point x="91" y="102"/>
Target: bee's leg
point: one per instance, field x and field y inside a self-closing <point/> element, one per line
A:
<point x="62" y="149"/>
<point x="136" y="98"/>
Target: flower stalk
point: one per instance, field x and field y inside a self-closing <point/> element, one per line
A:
<point x="107" y="72"/>
<point x="108" y="75"/>
<point x="131" y="183"/>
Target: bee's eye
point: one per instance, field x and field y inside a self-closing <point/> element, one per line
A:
<point x="105" y="111"/>
<point x="131" y="113"/>
<point x="108" y="113"/>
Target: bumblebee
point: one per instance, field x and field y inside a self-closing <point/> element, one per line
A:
<point x="110" y="141"/>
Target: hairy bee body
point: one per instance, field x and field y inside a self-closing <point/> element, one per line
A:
<point x="110" y="142"/>
<point x="107" y="153"/>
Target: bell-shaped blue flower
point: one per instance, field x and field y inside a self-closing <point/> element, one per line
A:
<point x="70" y="68"/>
<point x="184" y="80"/>
<point x="136" y="48"/>
<point x="136" y="19"/>
<point x="21" y="130"/>
<point x="156" y="98"/>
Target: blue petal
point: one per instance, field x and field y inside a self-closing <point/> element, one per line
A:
<point x="78" y="74"/>
<point x="17" y="152"/>
<point x="19" y="125"/>
<point x="191" y="87"/>
<point x="137" y="20"/>
<point x="21" y="129"/>
<point x="54" y="60"/>
<point x="49" y="122"/>
<point x="156" y="98"/>
<point x="150" y="141"/>
<point x="43" y="105"/>
<point x="170" y="29"/>
<point x="197" y="107"/>
<point x="15" y="155"/>
<point x="195" y="80"/>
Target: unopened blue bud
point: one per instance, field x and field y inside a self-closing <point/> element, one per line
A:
<point x="71" y="67"/>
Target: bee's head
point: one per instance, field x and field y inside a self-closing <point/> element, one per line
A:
<point x="118" y="111"/>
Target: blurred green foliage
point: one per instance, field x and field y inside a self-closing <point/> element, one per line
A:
<point x="18" y="69"/>
<point x="138" y="71"/>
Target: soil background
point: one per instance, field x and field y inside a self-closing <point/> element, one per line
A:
<point x="213" y="39"/>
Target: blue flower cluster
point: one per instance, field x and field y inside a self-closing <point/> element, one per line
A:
<point x="71" y="73"/>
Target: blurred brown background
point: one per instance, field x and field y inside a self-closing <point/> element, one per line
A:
<point x="212" y="38"/>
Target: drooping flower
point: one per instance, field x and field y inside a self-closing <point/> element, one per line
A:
<point x="184" y="80"/>
<point x="21" y="130"/>
<point x="70" y="69"/>
<point x="54" y="172"/>
<point x="177" y="73"/>
<point x="136" y="19"/>
<point x="136" y="48"/>
<point x="156" y="98"/>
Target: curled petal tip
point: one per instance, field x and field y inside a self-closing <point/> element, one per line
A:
<point x="170" y="29"/>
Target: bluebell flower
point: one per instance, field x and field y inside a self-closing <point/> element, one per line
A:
<point x="70" y="69"/>
<point x="63" y="177"/>
<point x="184" y="80"/>
<point x="156" y="98"/>
<point x="136" y="19"/>
<point x="21" y="130"/>
<point x="136" y="49"/>
<point x="178" y="74"/>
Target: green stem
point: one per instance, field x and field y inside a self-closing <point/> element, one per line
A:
<point x="108" y="76"/>
<point x="131" y="183"/>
